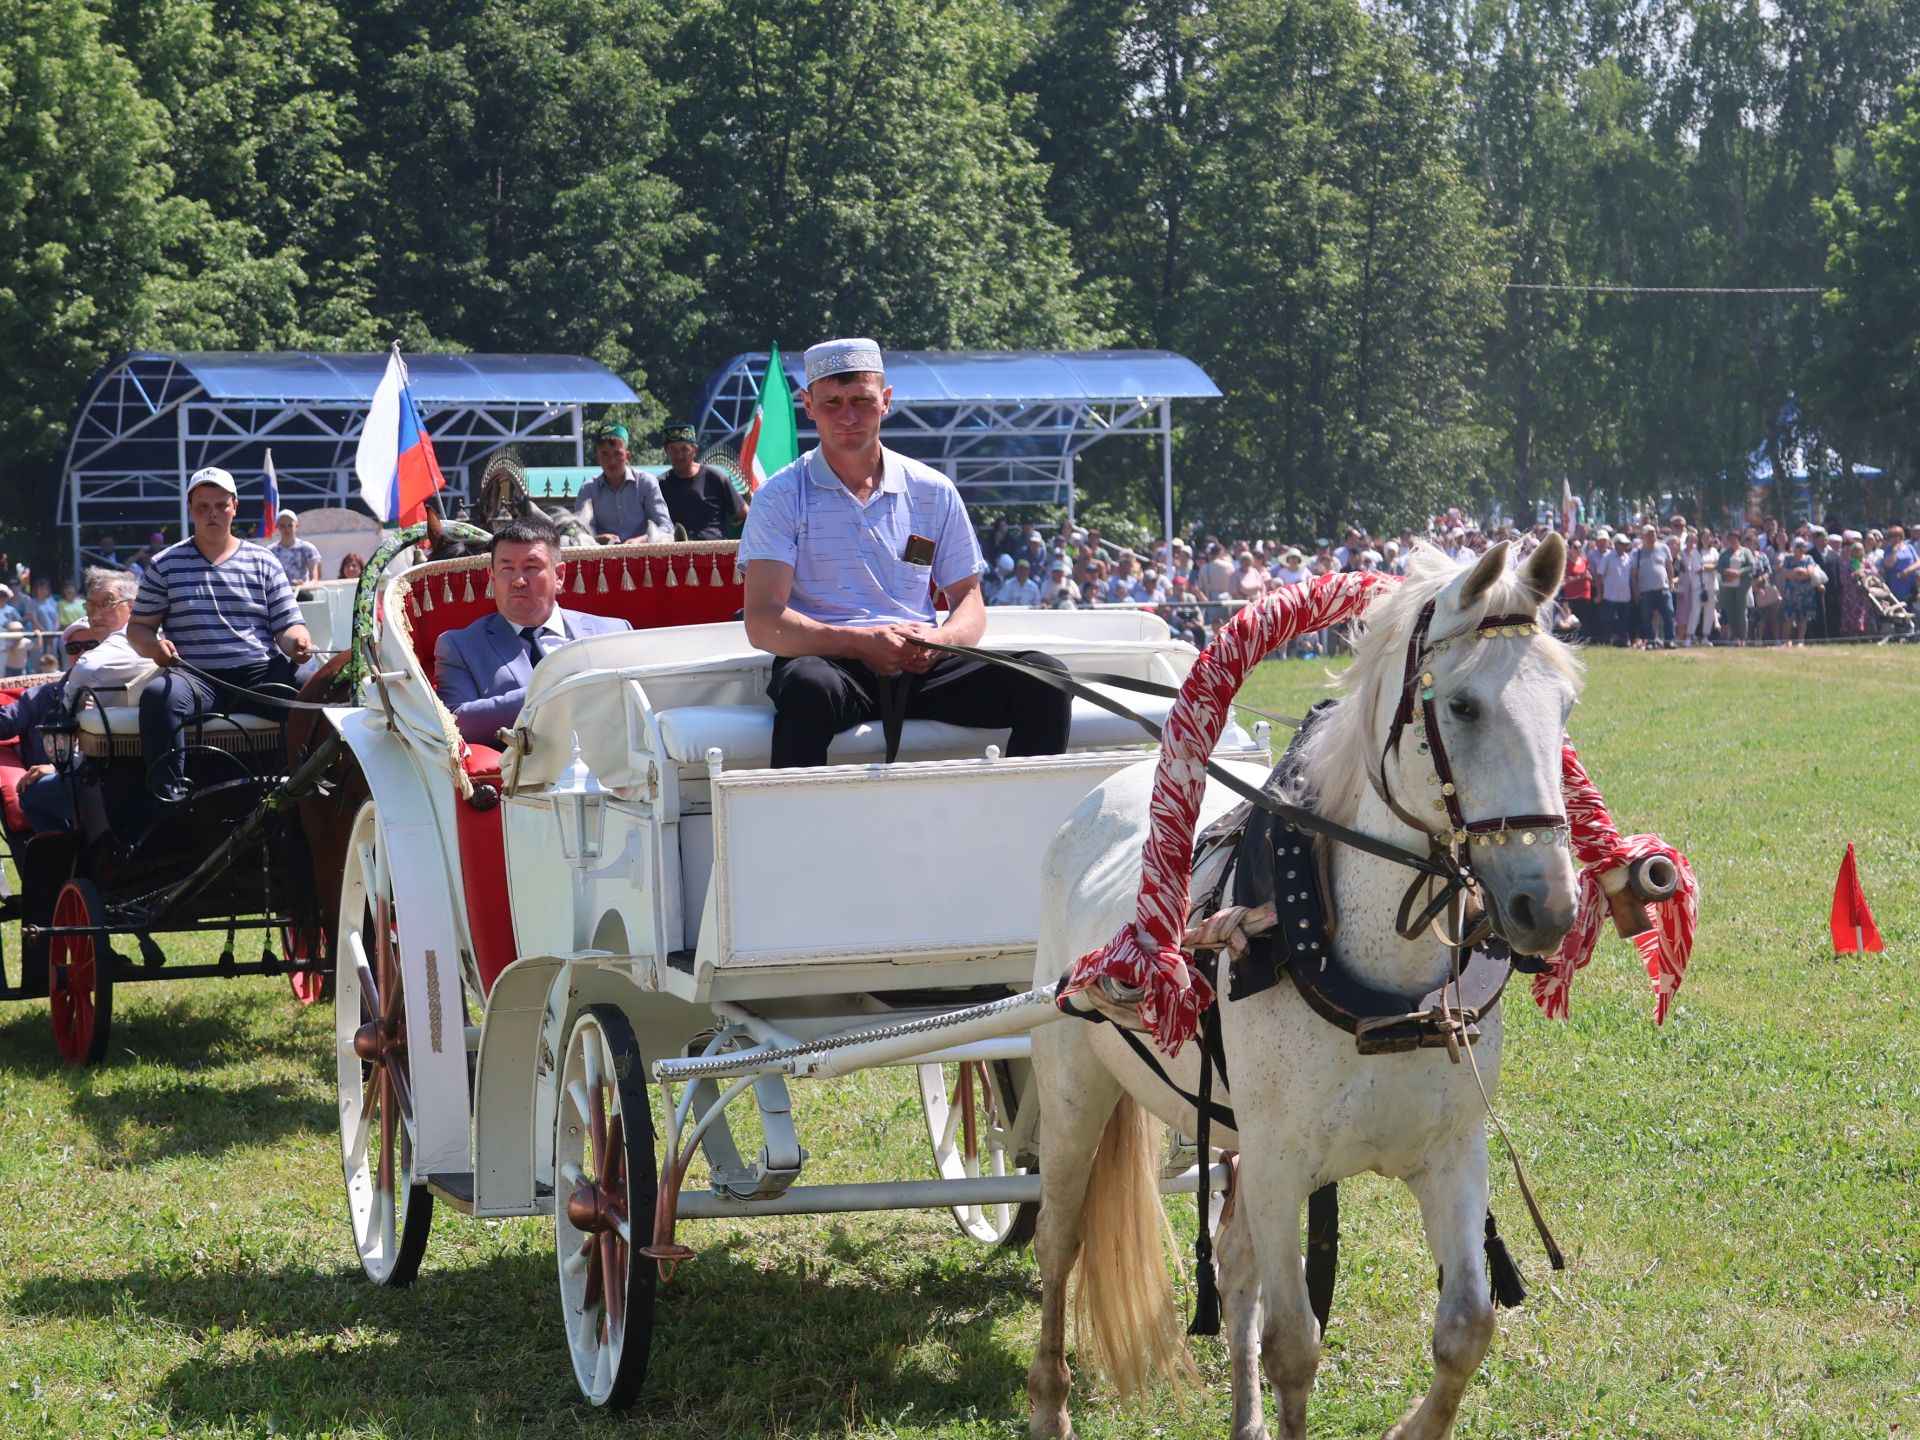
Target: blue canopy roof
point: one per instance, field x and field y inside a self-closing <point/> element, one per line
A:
<point x="921" y="377"/>
<point x="300" y="376"/>
<point x="151" y="418"/>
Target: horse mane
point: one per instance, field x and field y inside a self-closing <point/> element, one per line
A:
<point x="1338" y="753"/>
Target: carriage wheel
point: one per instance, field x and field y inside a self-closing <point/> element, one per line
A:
<point x="80" y="977"/>
<point x="970" y="1110"/>
<point x="605" y="1181"/>
<point x="387" y="1202"/>
<point x="310" y="987"/>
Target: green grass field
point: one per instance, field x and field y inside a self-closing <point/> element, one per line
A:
<point x="1738" y="1193"/>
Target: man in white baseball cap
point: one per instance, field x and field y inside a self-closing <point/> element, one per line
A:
<point x="843" y="549"/>
<point x="299" y="558"/>
<point x="230" y="627"/>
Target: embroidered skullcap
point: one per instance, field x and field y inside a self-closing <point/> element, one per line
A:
<point x="613" y="432"/>
<point x="682" y="434"/>
<point x="842" y="357"/>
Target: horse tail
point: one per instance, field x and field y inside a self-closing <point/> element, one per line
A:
<point x="1124" y="1320"/>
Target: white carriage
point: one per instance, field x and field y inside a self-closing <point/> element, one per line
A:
<point x="627" y="903"/>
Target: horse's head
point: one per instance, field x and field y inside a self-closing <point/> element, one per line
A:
<point x="1465" y="694"/>
<point x="440" y="543"/>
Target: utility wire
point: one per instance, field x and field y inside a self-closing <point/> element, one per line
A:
<point x="1673" y="289"/>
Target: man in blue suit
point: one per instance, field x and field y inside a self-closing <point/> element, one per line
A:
<point x="482" y="672"/>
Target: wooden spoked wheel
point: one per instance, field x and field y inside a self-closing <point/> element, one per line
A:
<point x="605" y="1182"/>
<point x="80" y="977"/>
<point x="387" y="1201"/>
<point x="970" y="1110"/>
<point x="309" y="987"/>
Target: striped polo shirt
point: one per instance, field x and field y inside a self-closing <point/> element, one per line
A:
<point x="218" y="616"/>
<point x="848" y="559"/>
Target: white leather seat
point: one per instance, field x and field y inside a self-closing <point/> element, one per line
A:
<point x="115" y="730"/>
<point x="744" y="734"/>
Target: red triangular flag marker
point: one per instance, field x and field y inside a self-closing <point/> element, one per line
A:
<point x="1853" y="927"/>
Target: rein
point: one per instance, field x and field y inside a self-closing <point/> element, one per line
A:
<point x="1443" y="875"/>
<point x="1431" y="867"/>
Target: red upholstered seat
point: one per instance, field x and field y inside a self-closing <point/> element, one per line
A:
<point x="483" y="862"/>
<point x="630" y="585"/>
<point x="12" y="767"/>
<point x="626" y="583"/>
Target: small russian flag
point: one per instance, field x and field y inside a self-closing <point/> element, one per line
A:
<point x="270" y="512"/>
<point x="396" y="464"/>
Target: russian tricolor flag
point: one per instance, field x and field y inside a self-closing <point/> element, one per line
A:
<point x="395" y="461"/>
<point x="270" y="511"/>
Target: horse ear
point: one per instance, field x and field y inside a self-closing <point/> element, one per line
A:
<point x="434" y="533"/>
<point x="1543" y="570"/>
<point x="1489" y="568"/>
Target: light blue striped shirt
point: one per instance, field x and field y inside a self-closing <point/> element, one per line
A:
<point x="847" y="557"/>
<point x="218" y="616"/>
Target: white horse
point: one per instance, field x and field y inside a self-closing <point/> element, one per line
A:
<point x="1310" y="1108"/>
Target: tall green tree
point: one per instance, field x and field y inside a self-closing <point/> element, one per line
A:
<point x="1865" y="381"/>
<point x="1341" y="274"/>
<point x="511" y="198"/>
<point x="858" y="166"/>
<point x="1276" y="193"/>
<point x="99" y="253"/>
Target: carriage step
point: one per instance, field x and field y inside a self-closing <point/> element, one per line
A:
<point x="456" y="1189"/>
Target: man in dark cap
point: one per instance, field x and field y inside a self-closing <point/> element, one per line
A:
<point x="621" y="503"/>
<point x="699" y="497"/>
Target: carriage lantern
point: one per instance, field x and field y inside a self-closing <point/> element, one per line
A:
<point x="58" y="734"/>
<point x="580" y="807"/>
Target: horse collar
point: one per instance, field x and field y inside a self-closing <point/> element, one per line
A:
<point x="1276" y="863"/>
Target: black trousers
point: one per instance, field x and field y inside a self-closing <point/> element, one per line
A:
<point x="815" y="698"/>
<point x="175" y="699"/>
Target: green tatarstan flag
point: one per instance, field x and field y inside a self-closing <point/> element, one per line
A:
<point x="772" y="441"/>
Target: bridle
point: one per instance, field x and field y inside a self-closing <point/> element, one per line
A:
<point x="1450" y="842"/>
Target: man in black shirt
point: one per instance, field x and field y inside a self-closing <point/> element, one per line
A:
<point x="699" y="497"/>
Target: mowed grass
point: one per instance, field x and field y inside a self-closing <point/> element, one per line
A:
<point x="1737" y="1192"/>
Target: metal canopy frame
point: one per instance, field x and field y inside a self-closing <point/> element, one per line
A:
<point x="149" y="420"/>
<point x="999" y="449"/>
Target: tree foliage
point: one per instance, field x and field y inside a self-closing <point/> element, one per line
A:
<point x="1343" y="211"/>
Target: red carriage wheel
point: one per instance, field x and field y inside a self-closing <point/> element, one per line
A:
<point x="310" y="986"/>
<point x="605" y="1182"/>
<point x="387" y="1199"/>
<point x="80" y="977"/>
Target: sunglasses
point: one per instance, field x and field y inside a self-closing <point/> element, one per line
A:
<point x="80" y="647"/>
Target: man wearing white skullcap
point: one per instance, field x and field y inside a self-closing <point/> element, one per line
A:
<point x="843" y="549"/>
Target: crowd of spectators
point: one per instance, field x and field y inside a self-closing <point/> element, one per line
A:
<point x="1653" y="584"/>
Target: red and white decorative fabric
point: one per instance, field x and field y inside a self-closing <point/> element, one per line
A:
<point x="1146" y="954"/>
<point x="1598" y="846"/>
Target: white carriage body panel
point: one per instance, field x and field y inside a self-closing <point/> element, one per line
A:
<point x="898" y="864"/>
<point x="416" y="829"/>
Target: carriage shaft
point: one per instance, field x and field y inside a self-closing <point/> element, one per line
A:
<point x="906" y="1195"/>
<point x="877" y="1045"/>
